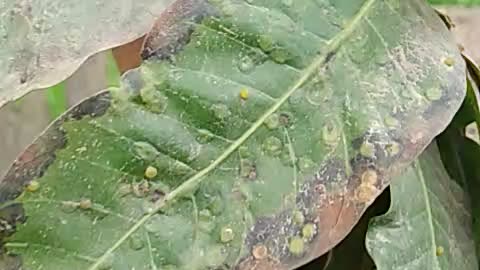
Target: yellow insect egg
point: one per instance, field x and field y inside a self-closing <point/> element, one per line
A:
<point x="244" y="94"/>
<point x="439" y="251"/>
<point x="151" y="172"/>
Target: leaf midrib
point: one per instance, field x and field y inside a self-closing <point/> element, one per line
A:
<point x="428" y="209"/>
<point x="332" y="46"/>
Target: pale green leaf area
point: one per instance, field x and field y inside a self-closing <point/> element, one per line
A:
<point x="258" y="144"/>
<point x="44" y="42"/>
<point x="428" y="225"/>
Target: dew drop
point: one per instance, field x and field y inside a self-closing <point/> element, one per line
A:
<point x="272" y="146"/>
<point x="226" y="234"/>
<point x="296" y="246"/>
<point x="246" y="64"/>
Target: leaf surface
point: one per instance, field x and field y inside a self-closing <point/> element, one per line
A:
<point x="266" y="133"/>
<point x="44" y="42"/>
<point x="429" y="224"/>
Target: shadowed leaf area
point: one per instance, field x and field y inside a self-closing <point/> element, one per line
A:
<point x="254" y="137"/>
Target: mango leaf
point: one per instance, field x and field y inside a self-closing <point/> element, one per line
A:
<point x="44" y="42"/>
<point x="460" y="154"/>
<point x="257" y="142"/>
<point x="429" y="223"/>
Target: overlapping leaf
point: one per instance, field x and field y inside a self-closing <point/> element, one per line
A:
<point x="44" y="42"/>
<point x="265" y="138"/>
<point x="429" y="223"/>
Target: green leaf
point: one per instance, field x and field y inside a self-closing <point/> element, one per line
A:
<point x="44" y="42"/>
<point x="257" y="142"/>
<point x="428" y="225"/>
<point x="56" y="100"/>
<point x="460" y="154"/>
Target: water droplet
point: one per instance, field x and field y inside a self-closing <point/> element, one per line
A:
<point x="136" y="243"/>
<point x="273" y="121"/>
<point x="260" y="252"/>
<point x="85" y="204"/>
<point x="246" y="64"/>
<point x="266" y="43"/>
<point x="434" y="93"/>
<point x="226" y="234"/>
<point x="330" y="134"/>
<point x="151" y="172"/>
<point x="145" y="151"/>
<point x="367" y="149"/>
<point x="221" y="111"/>
<point x="309" y="231"/>
<point x="296" y="246"/>
<point x="272" y="146"/>
<point x="33" y="186"/>
<point x="298" y="217"/>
